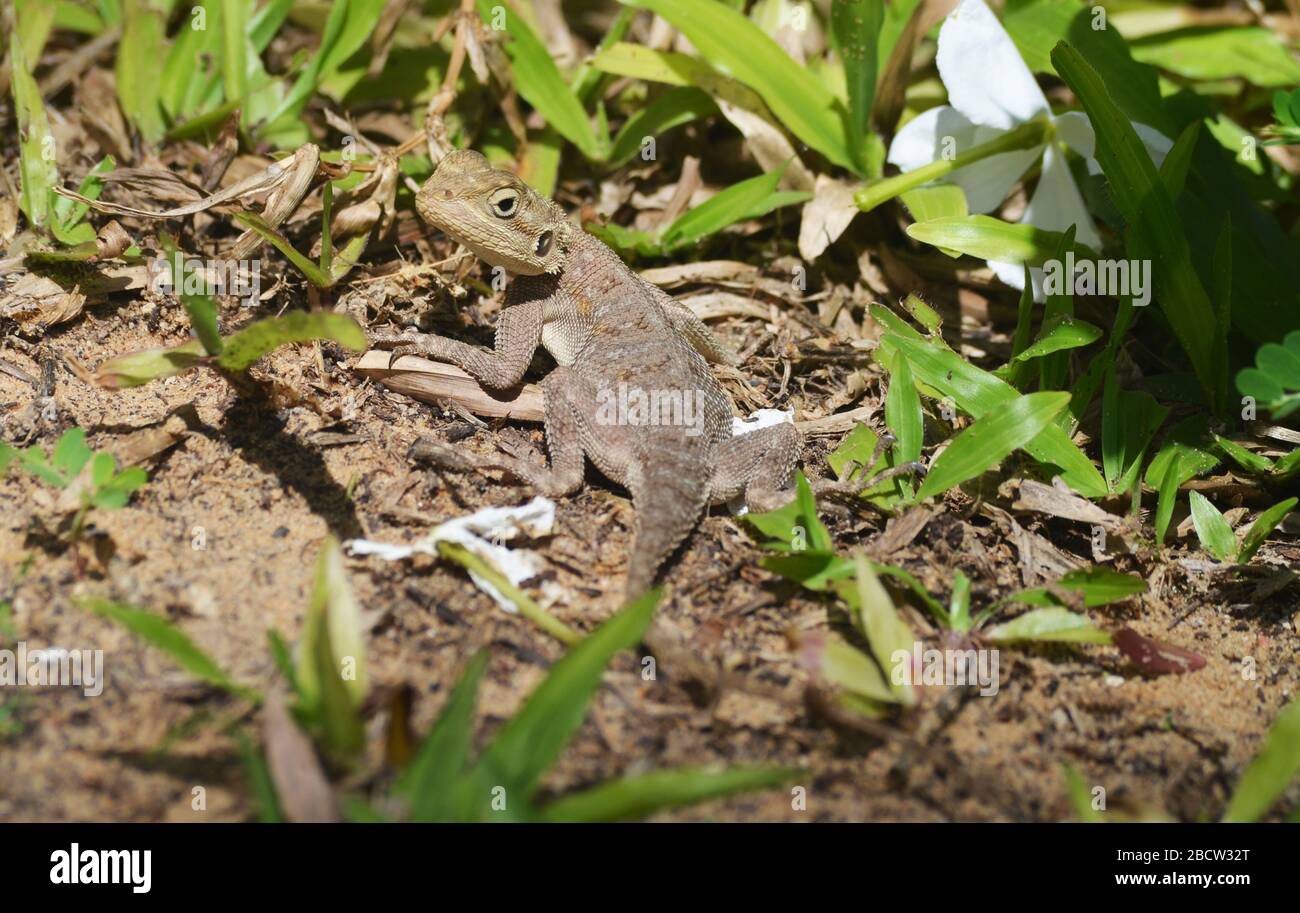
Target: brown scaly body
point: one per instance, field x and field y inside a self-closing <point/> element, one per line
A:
<point x="618" y="341"/>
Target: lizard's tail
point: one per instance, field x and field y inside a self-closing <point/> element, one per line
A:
<point x="668" y="502"/>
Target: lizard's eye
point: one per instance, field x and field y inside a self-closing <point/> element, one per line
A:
<point x="504" y="202"/>
<point x="544" y="243"/>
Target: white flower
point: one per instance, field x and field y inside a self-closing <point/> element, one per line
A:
<point x="990" y="92"/>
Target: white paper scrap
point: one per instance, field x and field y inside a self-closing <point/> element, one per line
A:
<point x="484" y="533"/>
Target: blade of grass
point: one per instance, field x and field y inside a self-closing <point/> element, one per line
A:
<point x="539" y="81"/>
<point x="979" y="393"/>
<point x="531" y="740"/>
<point x="1214" y="532"/>
<point x="1271" y="772"/>
<point x="991" y="439"/>
<point x="442" y="756"/>
<point x="160" y="633"/>
<point x="633" y="798"/>
<point x="1154" y="230"/>
<point x="37" y="171"/>
<point x="735" y="45"/>
<point x="1260" y="529"/>
<point x="257" y="339"/>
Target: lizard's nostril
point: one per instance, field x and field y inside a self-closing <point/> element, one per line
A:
<point x="446" y="194"/>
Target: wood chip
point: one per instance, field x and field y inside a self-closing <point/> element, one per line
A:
<point x="435" y="382"/>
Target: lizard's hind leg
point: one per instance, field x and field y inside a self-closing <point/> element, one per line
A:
<point x="759" y="465"/>
<point x="563" y="476"/>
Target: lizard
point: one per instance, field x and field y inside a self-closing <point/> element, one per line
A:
<point x="612" y="335"/>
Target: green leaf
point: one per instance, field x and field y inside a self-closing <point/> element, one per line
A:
<point x="428" y="782"/>
<point x="1274" y="382"/>
<point x="991" y="439"/>
<point x="1271" y="772"/>
<point x="633" y="798"/>
<point x="738" y="47"/>
<point x="160" y="633"/>
<point x="190" y="63"/>
<point x="37" y="171"/>
<point x="1263" y="525"/>
<point x="257" y="339"/>
<point x="1097" y="585"/>
<point x="749" y="199"/>
<point x="903" y="413"/>
<point x="1155" y="231"/>
<point x="540" y="83"/>
<point x="1053" y="624"/>
<point x="959" y="618"/>
<point x="138" y="56"/>
<point x="141" y="367"/>
<point x="1168" y="494"/>
<point x="1256" y="54"/>
<point x="349" y="24"/>
<point x="1061" y="333"/>
<point x="937" y="201"/>
<point x="979" y="393"/>
<point x="1129" y="420"/>
<point x="677" y="106"/>
<point x="878" y="620"/>
<point x="1246" y="459"/>
<point x="331" y="668"/>
<point x="332" y="601"/>
<point x="529" y="742"/>
<point x="71" y="453"/>
<point x="855" y="31"/>
<point x="35" y="18"/>
<point x="846" y="668"/>
<point x="795" y="526"/>
<point x="234" y="42"/>
<point x="1214" y="532"/>
<point x="993" y="239"/>
<point x="66" y="224"/>
<point x="200" y="306"/>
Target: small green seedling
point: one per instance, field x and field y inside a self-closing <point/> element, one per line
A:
<point x="328" y="678"/>
<point x="73" y="466"/>
<point x="234" y="353"/>
<point x="1286" y="110"/>
<point x="1274" y="381"/>
<point x="1217" y="536"/>
<point x="806" y="556"/>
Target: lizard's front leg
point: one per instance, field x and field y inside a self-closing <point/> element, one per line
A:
<point x="518" y="333"/>
<point x="564" y="392"/>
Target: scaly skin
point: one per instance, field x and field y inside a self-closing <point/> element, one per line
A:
<point x="613" y="335"/>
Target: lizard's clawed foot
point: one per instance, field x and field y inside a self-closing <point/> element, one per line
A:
<point x="864" y="481"/>
<point x="399" y="344"/>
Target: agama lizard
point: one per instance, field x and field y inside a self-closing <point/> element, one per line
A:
<point x="632" y="392"/>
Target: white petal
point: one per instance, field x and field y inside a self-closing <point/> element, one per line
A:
<point x="1057" y="204"/>
<point x="945" y="130"/>
<point x="921" y="140"/>
<point x="1075" y="130"/>
<point x="1013" y="274"/>
<point x="1158" y="145"/>
<point x="986" y="77"/>
<point x="989" y="181"/>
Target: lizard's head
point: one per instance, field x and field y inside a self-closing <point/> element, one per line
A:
<point x="495" y="214"/>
